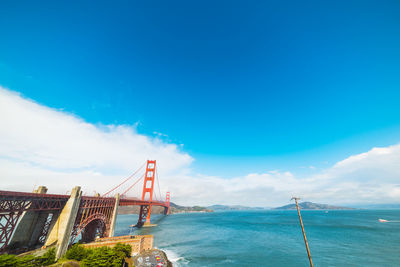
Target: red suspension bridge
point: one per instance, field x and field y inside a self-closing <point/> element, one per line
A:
<point x="34" y="219"/>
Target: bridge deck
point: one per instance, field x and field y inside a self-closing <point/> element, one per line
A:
<point x="139" y="202"/>
<point x="34" y="201"/>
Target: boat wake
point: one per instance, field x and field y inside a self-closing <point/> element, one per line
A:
<point x="386" y="221"/>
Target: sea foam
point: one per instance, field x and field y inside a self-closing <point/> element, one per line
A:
<point x="175" y="258"/>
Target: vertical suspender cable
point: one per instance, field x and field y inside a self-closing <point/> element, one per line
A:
<point x="159" y="189"/>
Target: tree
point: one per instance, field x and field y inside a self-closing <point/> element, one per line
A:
<point x="77" y="252"/>
<point x="105" y="256"/>
<point x="29" y="260"/>
<point x="125" y="248"/>
<point x="8" y="260"/>
<point x="48" y="258"/>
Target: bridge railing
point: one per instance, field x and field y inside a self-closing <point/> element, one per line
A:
<point x="8" y="194"/>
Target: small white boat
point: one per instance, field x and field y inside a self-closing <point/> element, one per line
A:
<point x="382" y="220"/>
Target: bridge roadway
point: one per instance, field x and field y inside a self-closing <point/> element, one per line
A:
<point x="41" y="202"/>
<point x="91" y="213"/>
<point x="32" y="219"/>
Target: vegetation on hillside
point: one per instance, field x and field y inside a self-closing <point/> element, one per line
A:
<point x="29" y="260"/>
<point x="87" y="257"/>
<point x="102" y="256"/>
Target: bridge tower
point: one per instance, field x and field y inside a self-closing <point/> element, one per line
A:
<point x="167" y="200"/>
<point x="148" y="186"/>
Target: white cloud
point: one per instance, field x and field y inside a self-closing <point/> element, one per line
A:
<point x="44" y="146"/>
<point x="370" y="177"/>
<point x="37" y="142"/>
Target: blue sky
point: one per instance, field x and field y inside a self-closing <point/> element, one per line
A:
<point x="246" y="86"/>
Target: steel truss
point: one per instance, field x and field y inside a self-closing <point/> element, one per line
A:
<point x="94" y="209"/>
<point x="45" y="230"/>
<point x="13" y="204"/>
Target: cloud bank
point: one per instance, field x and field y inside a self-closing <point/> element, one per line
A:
<point x="44" y="146"/>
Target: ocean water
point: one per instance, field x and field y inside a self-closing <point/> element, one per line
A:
<point x="274" y="238"/>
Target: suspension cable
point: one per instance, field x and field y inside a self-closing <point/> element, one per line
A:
<point x="124" y="180"/>
<point x="129" y="188"/>
<point x="158" y="183"/>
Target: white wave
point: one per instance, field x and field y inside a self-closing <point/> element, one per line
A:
<point x="176" y="260"/>
<point x="387" y="221"/>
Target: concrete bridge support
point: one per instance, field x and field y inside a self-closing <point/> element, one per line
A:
<point x="60" y="231"/>
<point x="114" y="216"/>
<point x="30" y="226"/>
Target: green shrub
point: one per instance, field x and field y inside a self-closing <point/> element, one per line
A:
<point x="49" y="257"/>
<point x="105" y="256"/>
<point x="8" y="260"/>
<point x="125" y="248"/>
<point x="29" y="261"/>
<point x="77" y="252"/>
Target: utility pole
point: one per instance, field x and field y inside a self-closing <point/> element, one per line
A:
<point x="302" y="228"/>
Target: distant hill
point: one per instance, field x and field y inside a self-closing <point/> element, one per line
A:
<point x="233" y="207"/>
<point x="378" y="206"/>
<point x="312" y="206"/>
<point x="174" y="208"/>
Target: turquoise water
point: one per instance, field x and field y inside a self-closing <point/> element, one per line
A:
<point x="274" y="238"/>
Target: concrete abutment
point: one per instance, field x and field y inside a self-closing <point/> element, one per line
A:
<point x="114" y="216"/>
<point x="60" y="231"/>
<point x="30" y="225"/>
